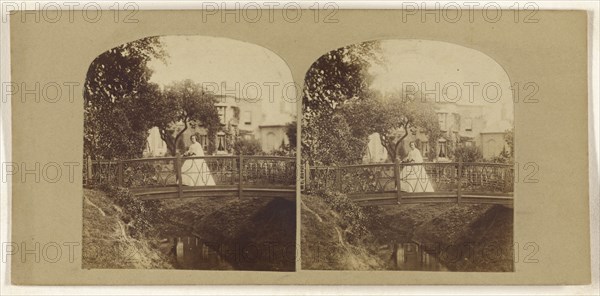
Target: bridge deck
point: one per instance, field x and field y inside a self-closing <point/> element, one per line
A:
<point x="390" y="197"/>
<point x="171" y="192"/>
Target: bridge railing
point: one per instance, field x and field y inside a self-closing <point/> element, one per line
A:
<point x="233" y="173"/>
<point x="406" y="180"/>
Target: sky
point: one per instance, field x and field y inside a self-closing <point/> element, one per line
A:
<point x="427" y="62"/>
<point x="248" y="70"/>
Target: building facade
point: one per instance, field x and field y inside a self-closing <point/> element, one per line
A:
<point x="461" y="125"/>
<point x="240" y="119"/>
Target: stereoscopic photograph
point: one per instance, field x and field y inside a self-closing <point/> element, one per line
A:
<point x="190" y="157"/>
<point x="407" y="159"/>
<point x="298" y="145"/>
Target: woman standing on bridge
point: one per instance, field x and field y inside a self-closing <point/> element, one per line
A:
<point x="195" y="172"/>
<point x="413" y="176"/>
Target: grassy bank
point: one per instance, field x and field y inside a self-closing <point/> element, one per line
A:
<point x="107" y="237"/>
<point x="331" y="240"/>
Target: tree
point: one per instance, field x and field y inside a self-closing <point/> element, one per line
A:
<point x="291" y="132"/>
<point x="185" y="103"/>
<point x="397" y="116"/>
<point x="332" y="141"/>
<point x="116" y="95"/>
<point x="335" y="78"/>
<point x="509" y="138"/>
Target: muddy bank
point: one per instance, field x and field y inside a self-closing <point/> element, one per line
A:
<point x="462" y="237"/>
<point x="252" y="233"/>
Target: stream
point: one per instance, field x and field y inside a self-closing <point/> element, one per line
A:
<point x="192" y="253"/>
<point x="413" y="256"/>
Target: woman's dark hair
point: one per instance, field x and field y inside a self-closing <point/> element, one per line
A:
<point x="194" y="136"/>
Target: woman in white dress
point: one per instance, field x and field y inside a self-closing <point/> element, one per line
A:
<point x="414" y="177"/>
<point x="195" y="172"/>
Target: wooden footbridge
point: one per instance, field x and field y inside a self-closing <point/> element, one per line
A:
<point x="188" y="177"/>
<point x="410" y="183"/>
<point x="273" y="176"/>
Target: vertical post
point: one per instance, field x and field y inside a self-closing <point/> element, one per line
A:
<point x="240" y="175"/>
<point x="306" y="175"/>
<point x="89" y="170"/>
<point x="459" y="181"/>
<point x="397" y="177"/>
<point x="338" y="178"/>
<point x="178" y="175"/>
<point x="120" y="173"/>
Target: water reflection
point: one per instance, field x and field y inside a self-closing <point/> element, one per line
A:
<point x="412" y="256"/>
<point x="192" y="253"/>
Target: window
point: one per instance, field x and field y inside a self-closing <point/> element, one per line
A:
<point x="204" y="142"/>
<point x="469" y="143"/>
<point x="425" y="148"/>
<point x="442" y="120"/>
<point x="221" y="143"/>
<point x="247" y="117"/>
<point x="468" y="124"/>
<point x="443" y="148"/>
<point x="221" y="111"/>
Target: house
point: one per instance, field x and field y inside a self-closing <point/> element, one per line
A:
<point x="461" y="125"/>
<point x="240" y="118"/>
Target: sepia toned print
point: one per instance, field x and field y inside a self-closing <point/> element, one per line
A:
<point x="407" y="147"/>
<point x="186" y="166"/>
<point x="426" y="151"/>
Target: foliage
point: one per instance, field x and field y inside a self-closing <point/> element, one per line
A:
<point x="401" y="115"/>
<point x="507" y="154"/>
<point x="185" y="102"/>
<point x="331" y="141"/>
<point x="468" y="154"/>
<point x="357" y="219"/>
<point x="116" y="95"/>
<point x="141" y="216"/>
<point x="247" y="147"/>
<point x="335" y="78"/>
<point x="291" y="131"/>
<point x="509" y="137"/>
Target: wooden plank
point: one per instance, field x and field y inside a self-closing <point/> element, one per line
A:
<point x="285" y="194"/>
<point x="229" y="193"/>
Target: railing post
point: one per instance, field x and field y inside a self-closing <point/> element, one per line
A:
<point x="338" y="178"/>
<point x="240" y="175"/>
<point x="306" y="176"/>
<point x="89" y="180"/>
<point x="459" y="181"/>
<point x="398" y="180"/>
<point x="120" y="173"/>
<point x="178" y="175"/>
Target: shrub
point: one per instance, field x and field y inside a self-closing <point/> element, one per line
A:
<point x="468" y="154"/>
<point x="356" y="220"/>
<point x="247" y="147"/>
<point x="142" y="216"/>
